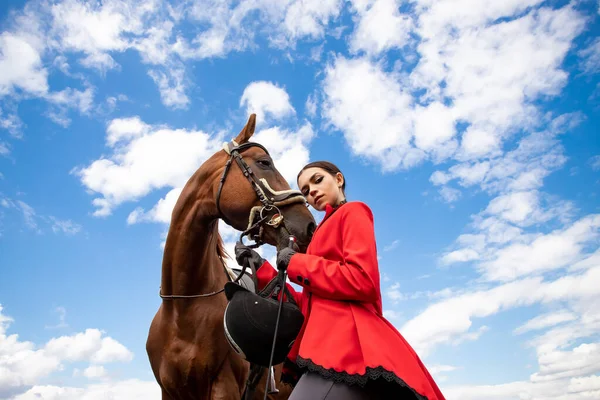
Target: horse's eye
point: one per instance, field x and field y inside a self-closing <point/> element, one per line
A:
<point x="264" y="163"/>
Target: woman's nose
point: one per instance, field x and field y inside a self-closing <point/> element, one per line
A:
<point x="313" y="193"/>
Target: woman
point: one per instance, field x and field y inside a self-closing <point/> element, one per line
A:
<point x="346" y="349"/>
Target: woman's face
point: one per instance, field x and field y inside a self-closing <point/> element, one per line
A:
<point x="320" y="188"/>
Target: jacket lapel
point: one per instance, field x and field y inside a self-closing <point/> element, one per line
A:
<point x="328" y="212"/>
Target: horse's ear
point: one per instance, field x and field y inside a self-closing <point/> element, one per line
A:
<point x="247" y="131"/>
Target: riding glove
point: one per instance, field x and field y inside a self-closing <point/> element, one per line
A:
<point x="243" y="254"/>
<point x="283" y="258"/>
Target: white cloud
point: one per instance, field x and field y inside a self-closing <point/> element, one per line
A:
<point x="586" y="384"/>
<point x="267" y="100"/>
<point x="308" y="18"/>
<point x="546" y="321"/>
<point x="521" y="169"/>
<point x="450" y="194"/>
<point x="394" y="293"/>
<point x="88" y="345"/>
<point x="380" y="26"/>
<point x="154" y="46"/>
<point x="462" y="255"/>
<point x="36" y="222"/>
<point x="382" y="131"/>
<point x="436" y="369"/>
<point x="480" y="142"/>
<point x="22" y="71"/>
<point x="131" y="389"/>
<point x="67" y="227"/>
<point x="468" y="174"/>
<point x="92" y="31"/>
<point x="125" y="129"/>
<point x="12" y="123"/>
<point x="436" y="16"/>
<point x="514" y="207"/>
<point x="20" y="363"/>
<point x="440" y="178"/>
<point x="4" y="150"/>
<point x="29" y="215"/>
<point x="99" y="61"/>
<point x="449" y="319"/>
<point x="392" y="245"/>
<point x="161" y="212"/>
<point x="434" y="129"/>
<point x="97" y="29"/>
<point x="475" y="70"/>
<point x="547" y="252"/>
<point x="493" y="72"/>
<point x="95" y="372"/>
<point x="21" y="66"/>
<point x="172" y="86"/>
<point x="311" y="106"/>
<point x="283" y="23"/>
<point x="144" y="158"/>
<point x="112" y="101"/>
<point x="576" y="384"/>
<point x="62" y="316"/>
<point x="23" y="365"/>
<point x="288" y="148"/>
<point x="81" y="100"/>
<point x="595" y="162"/>
<point x="590" y="63"/>
<point x="392" y="315"/>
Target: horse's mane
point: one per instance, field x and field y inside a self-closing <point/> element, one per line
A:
<point x="221" y="252"/>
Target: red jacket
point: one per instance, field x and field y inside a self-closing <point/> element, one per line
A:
<point x="344" y="329"/>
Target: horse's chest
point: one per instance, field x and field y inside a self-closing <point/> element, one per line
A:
<point x="188" y="364"/>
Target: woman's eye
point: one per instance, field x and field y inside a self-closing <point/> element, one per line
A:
<point x="319" y="179"/>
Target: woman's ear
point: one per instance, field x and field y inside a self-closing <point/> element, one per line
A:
<point x="339" y="178"/>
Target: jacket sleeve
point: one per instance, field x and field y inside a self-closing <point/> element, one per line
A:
<point x="356" y="278"/>
<point x="266" y="273"/>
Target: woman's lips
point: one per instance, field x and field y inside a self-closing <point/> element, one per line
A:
<point x="318" y="198"/>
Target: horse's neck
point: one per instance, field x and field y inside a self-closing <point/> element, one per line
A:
<point x="191" y="264"/>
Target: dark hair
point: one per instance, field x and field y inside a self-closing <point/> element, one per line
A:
<point x="327" y="166"/>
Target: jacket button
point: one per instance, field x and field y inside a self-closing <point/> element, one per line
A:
<point x="306" y="282"/>
<point x="299" y="278"/>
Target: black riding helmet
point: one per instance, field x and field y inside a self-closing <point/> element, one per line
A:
<point x="250" y="325"/>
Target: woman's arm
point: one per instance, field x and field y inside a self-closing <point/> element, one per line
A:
<point x="353" y="278"/>
<point x="266" y="273"/>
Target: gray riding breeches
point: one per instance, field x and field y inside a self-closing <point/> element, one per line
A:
<point x="312" y="386"/>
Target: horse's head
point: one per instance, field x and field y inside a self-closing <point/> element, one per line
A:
<point x="252" y="196"/>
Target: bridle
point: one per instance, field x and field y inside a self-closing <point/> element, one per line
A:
<point x="269" y="198"/>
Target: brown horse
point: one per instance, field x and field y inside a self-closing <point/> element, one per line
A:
<point x="189" y="354"/>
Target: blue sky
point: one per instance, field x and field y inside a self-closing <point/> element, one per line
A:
<point x="469" y="127"/>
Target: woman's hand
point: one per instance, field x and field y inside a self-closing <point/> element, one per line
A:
<point x="283" y="258"/>
<point x="243" y="254"/>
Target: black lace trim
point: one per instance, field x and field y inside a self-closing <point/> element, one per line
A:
<point x="291" y="373"/>
<point x="371" y="374"/>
